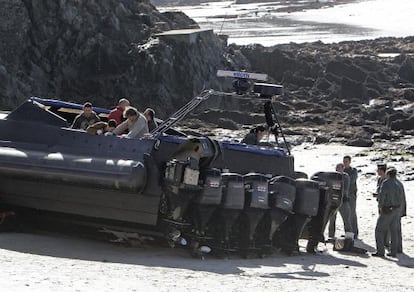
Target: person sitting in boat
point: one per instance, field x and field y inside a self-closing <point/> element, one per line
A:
<point x="255" y="135"/>
<point x="118" y="113"/>
<point x="102" y="128"/>
<point x="149" y="114"/>
<point x="136" y="124"/>
<point x="86" y="118"/>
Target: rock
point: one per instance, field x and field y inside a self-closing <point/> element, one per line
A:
<point x="323" y="84"/>
<point x="347" y="70"/>
<point x="395" y="116"/>
<point x="381" y="136"/>
<point x="403" y="124"/>
<point x="360" y="142"/>
<point x="353" y="89"/>
<point x="227" y="124"/>
<point x="406" y="71"/>
<point x="408" y="94"/>
<point x="319" y="139"/>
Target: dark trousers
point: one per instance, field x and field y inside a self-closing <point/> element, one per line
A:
<point x="387" y="222"/>
<point x="345" y="211"/>
<point x="353" y="215"/>
<point x="399" y="237"/>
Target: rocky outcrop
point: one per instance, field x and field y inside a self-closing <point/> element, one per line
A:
<point x="101" y="51"/>
<point x="347" y="89"/>
<point x="351" y="92"/>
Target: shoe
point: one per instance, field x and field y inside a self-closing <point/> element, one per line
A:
<point x="393" y="255"/>
<point x="377" y="255"/>
<point x="330" y="240"/>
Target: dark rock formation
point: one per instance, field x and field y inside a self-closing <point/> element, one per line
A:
<point x="345" y="89"/>
<point x="101" y="51"/>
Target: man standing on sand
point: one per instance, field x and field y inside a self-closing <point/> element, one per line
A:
<point x="344" y="209"/>
<point x="353" y="175"/>
<point x="381" y="169"/>
<point x="389" y="204"/>
<point x="403" y="213"/>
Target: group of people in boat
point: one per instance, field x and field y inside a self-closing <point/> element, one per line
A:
<point x="124" y="120"/>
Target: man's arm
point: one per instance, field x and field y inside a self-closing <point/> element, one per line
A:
<point x="403" y="201"/>
<point x="382" y="194"/>
<point x="120" y="128"/>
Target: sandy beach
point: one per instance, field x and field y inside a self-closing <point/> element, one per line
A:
<point x="271" y="23"/>
<point x="58" y="262"/>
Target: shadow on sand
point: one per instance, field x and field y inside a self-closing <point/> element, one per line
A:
<point x="62" y="246"/>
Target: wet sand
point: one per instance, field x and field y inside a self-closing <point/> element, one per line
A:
<point x="279" y="23"/>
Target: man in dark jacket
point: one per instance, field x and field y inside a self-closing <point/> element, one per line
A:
<point x="254" y="136"/>
<point x="353" y="175"/>
<point x="344" y="209"/>
<point x="87" y="118"/>
<point x="381" y="169"/>
<point x="389" y="204"/>
<point x="149" y="114"/>
<point x="403" y="213"/>
<point x="381" y="172"/>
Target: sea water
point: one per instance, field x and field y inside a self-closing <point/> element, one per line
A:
<point x="262" y="23"/>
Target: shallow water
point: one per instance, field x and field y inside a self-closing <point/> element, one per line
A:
<point x="260" y="23"/>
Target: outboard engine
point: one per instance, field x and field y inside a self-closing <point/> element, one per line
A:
<point x="256" y="202"/>
<point x="330" y="188"/>
<point x="282" y="192"/>
<point x="230" y="209"/>
<point x="181" y="181"/>
<point x="205" y="202"/>
<point x="305" y="206"/>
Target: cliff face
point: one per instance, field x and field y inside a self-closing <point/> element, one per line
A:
<point x="100" y="51"/>
<point x="14" y="26"/>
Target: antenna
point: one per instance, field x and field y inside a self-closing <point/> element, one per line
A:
<point x="222" y="24"/>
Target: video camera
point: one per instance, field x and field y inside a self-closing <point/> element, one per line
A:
<point x="242" y="83"/>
